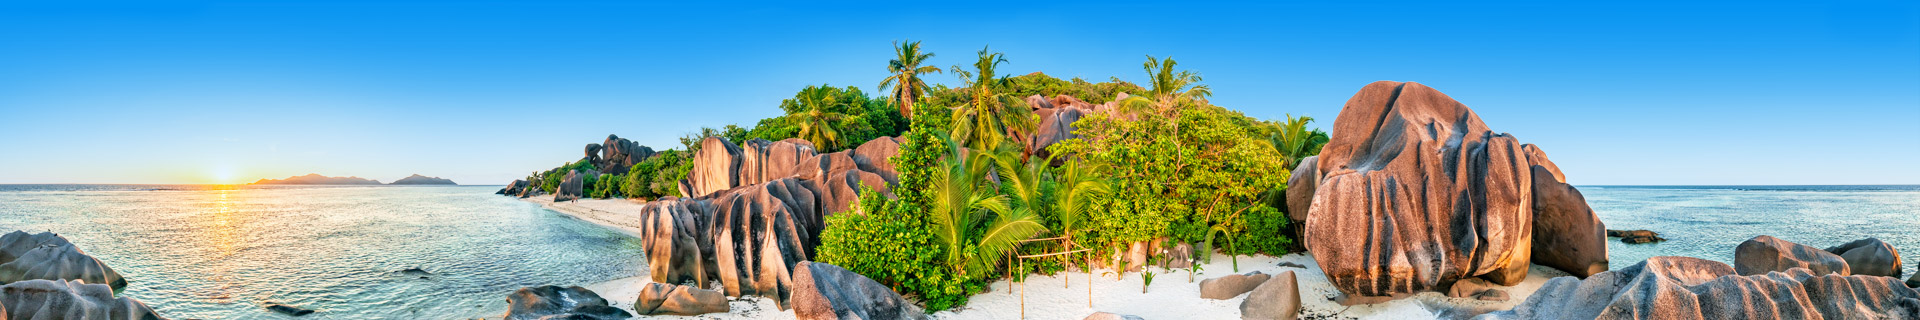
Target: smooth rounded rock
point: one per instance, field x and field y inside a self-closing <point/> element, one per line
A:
<point x="553" y="302"/>
<point x="1764" y="254"/>
<point x="25" y="256"/>
<point x="1232" y="285"/>
<point x="666" y="299"/>
<point x="826" y="291"/>
<point x="68" y="299"/>
<point x="1277" y="298"/>
<point x="1869" y="256"/>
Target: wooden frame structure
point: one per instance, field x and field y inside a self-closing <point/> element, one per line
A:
<point x="1067" y="249"/>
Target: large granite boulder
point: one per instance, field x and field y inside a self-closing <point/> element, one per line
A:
<point x="553" y="302"/>
<point x="1869" y="256"/>
<point x="1415" y="192"/>
<point x="25" y="256"/>
<point x="616" y="155"/>
<point x="1056" y="123"/>
<point x="1300" y="186"/>
<point x="1277" y="298"/>
<point x="512" y="188"/>
<point x="1568" y="236"/>
<point x="573" y="186"/>
<point x="666" y="299"/>
<point x="1232" y="285"/>
<point x="679" y="250"/>
<point x="1691" y="288"/>
<point x="825" y="291"/>
<point x="1764" y="254"/>
<point x="722" y="165"/>
<point x="68" y="299"/>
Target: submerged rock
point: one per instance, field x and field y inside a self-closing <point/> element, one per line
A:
<point x="660" y="298"/>
<point x="825" y="291"/>
<point x="1277" y="298"/>
<point x="1692" y="288"/>
<point x="1764" y="254"/>
<point x="553" y="302"/>
<point x="289" y="310"/>
<point x="68" y="299"/>
<point x="46" y="255"/>
<point x="1869" y="256"/>
<point x="1635" y="236"/>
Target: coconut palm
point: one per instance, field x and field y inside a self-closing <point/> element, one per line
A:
<point x="1170" y="90"/>
<point x="815" y="117"/>
<point x="963" y="201"/>
<point x="1295" y="142"/>
<point x="1075" y="188"/>
<point x="906" y="70"/>
<point x="989" y="117"/>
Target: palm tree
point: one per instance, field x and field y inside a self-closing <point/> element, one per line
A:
<point x="1170" y="90"/>
<point x="963" y="199"/>
<point x="989" y="117"/>
<point x="906" y="71"/>
<point x="814" y="117"/>
<point x="1295" y="142"/>
<point x="1076" y="186"/>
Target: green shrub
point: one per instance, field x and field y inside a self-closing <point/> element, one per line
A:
<point x="606" y="186"/>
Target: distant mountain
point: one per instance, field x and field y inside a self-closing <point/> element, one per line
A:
<point x="419" y="179"/>
<point x="315" y="178"/>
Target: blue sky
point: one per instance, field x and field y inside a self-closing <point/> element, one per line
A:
<point x="1617" y="92"/>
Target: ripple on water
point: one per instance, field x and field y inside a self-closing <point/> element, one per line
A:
<point x="193" y="252"/>
<point x="1708" y="222"/>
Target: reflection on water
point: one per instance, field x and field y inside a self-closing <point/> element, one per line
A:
<point x="223" y="253"/>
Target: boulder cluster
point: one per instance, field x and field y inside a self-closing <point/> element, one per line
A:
<point x="616" y="154"/>
<point x="1416" y="193"/>
<point x="753" y="212"/>
<point x="554" y="302"/>
<point x="1770" y="279"/>
<point x="47" y="277"/>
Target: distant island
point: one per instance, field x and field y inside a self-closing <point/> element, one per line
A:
<point x="315" y="178"/>
<point x="419" y="179"/>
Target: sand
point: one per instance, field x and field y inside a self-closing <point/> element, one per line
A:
<point x="1065" y="295"/>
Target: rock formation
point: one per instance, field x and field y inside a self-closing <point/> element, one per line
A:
<point x="512" y="188"/>
<point x="553" y="302"/>
<point x="615" y="155"/>
<point x="45" y="255"/>
<point x="825" y="291"/>
<point x="1635" y="236"/>
<point x="1691" y="288"/>
<point x="1478" y="289"/>
<point x="666" y="299"/>
<point x="1277" y="298"/>
<point x="1232" y="285"/>
<point x="1300" y="187"/>
<point x="1869" y="256"/>
<point x="1567" y="235"/>
<point x="419" y="179"/>
<point x="68" y="299"/>
<point x="1415" y="192"/>
<point x="757" y="213"/>
<point x="573" y="186"/>
<point x="1764" y="254"/>
<point x="1056" y="122"/>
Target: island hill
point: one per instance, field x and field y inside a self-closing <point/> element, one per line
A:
<point x="317" y="179"/>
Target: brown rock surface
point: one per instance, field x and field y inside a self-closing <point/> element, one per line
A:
<point x="1764" y="254"/>
<point x="1869" y="256"/>
<point x="1232" y="285"/>
<point x="1636" y="236"/>
<point x="1416" y="193"/>
<point x="825" y="291"/>
<point x="68" y="299"/>
<point x="28" y="256"/>
<point x="554" y="302"/>
<point x="1691" y="288"/>
<point x="1578" y="244"/>
<point x="1300" y="188"/>
<point x="660" y="298"/>
<point x="1277" y="298"/>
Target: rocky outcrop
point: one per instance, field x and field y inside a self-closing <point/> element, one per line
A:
<point x="553" y="302"/>
<point x="1232" y="285"/>
<point x="68" y="299"/>
<point x="666" y="299"/>
<point x="512" y="188"/>
<point x="45" y="255"/>
<point x="1277" y="298"/>
<point x="417" y="179"/>
<point x="1764" y="254"/>
<point x="722" y="165"/>
<point x="1415" y="192"/>
<point x="573" y="186"/>
<point x="1635" y="236"/>
<point x="1691" y="288"/>
<point x="1477" y="289"/>
<point x="1300" y="186"/>
<point x="1056" y="117"/>
<point x="616" y="155"/>
<point x="1567" y="235"/>
<point x="1869" y="256"/>
<point x="825" y="291"/>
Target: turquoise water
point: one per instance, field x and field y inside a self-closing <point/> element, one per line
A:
<point x="202" y="252"/>
<point x="1708" y="222"/>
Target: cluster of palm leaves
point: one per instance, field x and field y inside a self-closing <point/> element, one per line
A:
<point x="906" y="70"/>
<point x="815" y="117"/>
<point x="990" y="117"/>
<point x="985" y="202"/>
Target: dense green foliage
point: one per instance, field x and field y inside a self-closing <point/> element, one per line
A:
<point x="550" y="180"/>
<point x="893" y="241"/>
<point x="657" y="176"/>
<point x="605" y="186"/>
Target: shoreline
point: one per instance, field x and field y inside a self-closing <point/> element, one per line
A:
<point x="1047" y="297"/>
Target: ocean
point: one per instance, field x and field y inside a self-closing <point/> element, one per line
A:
<point x="1709" y="221"/>
<point x="209" y="252"/>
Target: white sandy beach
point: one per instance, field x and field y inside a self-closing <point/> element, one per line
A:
<point x="1046" y="297"/>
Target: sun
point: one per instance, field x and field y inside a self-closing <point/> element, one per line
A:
<point x="221" y="174"/>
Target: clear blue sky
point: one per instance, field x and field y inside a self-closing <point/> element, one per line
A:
<point x="1655" y="92"/>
